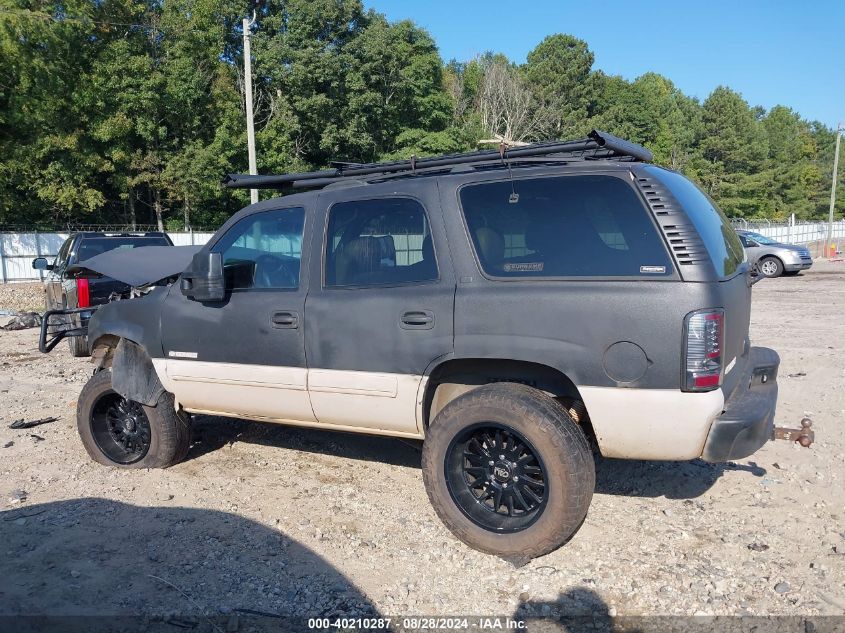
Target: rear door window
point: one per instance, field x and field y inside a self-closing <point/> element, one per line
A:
<point x="379" y="242"/>
<point x="721" y="241"/>
<point x="572" y="226"/>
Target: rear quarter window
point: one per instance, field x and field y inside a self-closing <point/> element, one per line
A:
<point x="570" y="226"/>
<point x="721" y="241"/>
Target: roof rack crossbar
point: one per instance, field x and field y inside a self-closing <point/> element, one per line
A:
<point x="596" y="140"/>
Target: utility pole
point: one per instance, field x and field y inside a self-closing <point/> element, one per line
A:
<point x="829" y="239"/>
<point x="250" y="125"/>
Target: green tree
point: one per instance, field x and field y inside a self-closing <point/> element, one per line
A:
<point x="732" y="153"/>
<point x="558" y="73"/>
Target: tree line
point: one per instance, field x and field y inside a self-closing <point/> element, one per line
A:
<point x="131" y="111"/>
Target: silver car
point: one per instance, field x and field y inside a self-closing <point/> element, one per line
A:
<point x="774" y="258"/>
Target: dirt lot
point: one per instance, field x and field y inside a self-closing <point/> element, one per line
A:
<point x="280" y="520"/>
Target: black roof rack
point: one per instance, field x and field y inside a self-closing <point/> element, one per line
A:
<point x="597" y="145"/>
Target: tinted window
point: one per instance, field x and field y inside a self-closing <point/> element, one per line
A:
<point x="379" y="242"/>
<point x="720" y="240"/>
<point x="563" y="227"/>
<point x="61" y="258"/>
<point x="91" y="246"/>
<point x="263" y="250"/>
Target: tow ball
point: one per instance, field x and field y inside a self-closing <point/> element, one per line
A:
<point x="804" y="436"/>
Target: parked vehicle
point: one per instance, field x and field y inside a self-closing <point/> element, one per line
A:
<point x="506" y="308"/>
<point x="774" y="258"/>
<point x="65" y="292"/>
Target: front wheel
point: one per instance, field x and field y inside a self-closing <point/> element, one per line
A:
<point x="508" y="471"/>
<point x="127" y="434"/>
<point x="771" y="267"/>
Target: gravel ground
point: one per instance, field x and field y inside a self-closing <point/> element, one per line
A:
<point x="22" y="297"/>
<point x="282" y="520"/>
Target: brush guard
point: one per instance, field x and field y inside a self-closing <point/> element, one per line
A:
<point x="64" y="325"/>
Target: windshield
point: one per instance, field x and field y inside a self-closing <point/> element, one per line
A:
<point x="761" y="239"/>
<point x="91" y="246"/>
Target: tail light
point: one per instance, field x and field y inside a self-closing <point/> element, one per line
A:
<point x="83" y="293"/>
<point x="704" y="343"/>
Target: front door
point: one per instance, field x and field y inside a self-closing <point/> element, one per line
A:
<point x="379" y="311"/>
<point x="246" y="354"/>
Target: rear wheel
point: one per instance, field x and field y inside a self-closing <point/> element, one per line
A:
<point x="508" y="471"/>
<point x="127" y="434"/>
<point x="78" y="346"/>
<point x="771" y="267"/>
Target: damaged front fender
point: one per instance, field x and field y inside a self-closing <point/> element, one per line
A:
<point x="133" y="374"/>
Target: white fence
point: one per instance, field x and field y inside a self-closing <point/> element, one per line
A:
<point x="793" y="232"/>
<point x="17" y="250"/>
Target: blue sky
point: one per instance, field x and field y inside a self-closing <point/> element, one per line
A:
<point x="790" y="53"/>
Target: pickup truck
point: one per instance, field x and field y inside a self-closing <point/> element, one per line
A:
<point x="64" y="291"/>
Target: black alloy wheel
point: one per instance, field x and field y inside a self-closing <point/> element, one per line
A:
<point x="120" y="428"/>
<point x="496" y="477"/>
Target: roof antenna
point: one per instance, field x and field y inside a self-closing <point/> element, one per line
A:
<point x="503" y="149"/>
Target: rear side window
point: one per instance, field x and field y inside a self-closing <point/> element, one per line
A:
<point x="91" y="246"/>
<point x="573" y="226"/>
<point x="720" y="239"/>
<point x="379" y="242"/>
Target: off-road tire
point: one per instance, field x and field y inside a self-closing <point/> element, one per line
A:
<point x="560" y="442"/>
<point x="170" y="431"/>
<point x="78" y="346"/>
<point x="773" y="264"/>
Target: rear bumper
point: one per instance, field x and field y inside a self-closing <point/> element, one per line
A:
<point x="748" y="419"/>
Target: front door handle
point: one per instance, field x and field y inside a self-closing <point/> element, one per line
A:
<point x="417" y="320"/>
<point x="284" y="320"/>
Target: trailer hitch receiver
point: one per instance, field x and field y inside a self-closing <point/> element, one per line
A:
<point x="804" y="436"/>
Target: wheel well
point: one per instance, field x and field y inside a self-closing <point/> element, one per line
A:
<point x="456" y="377"/>
<point x="133" y="375"/>
<point x="102" y="350"/>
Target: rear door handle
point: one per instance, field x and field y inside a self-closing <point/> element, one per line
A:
<point x="284" y="320"/>
<point x="417" y="320"/>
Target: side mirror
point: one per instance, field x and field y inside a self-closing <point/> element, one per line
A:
<point x="41" y="263"/>
<point x="203" y="281"/>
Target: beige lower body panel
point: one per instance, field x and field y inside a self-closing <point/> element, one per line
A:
<point x="386" y="403"/>
<point x="365" y="402"/>
<point x="665" y="424"/>
<point x="250" y="390"/>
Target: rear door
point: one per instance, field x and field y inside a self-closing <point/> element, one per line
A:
<point x="380" y="309"/>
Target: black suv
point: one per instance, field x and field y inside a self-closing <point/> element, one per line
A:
<point x="66" y="292"/>
<point x="507" y="307"/>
